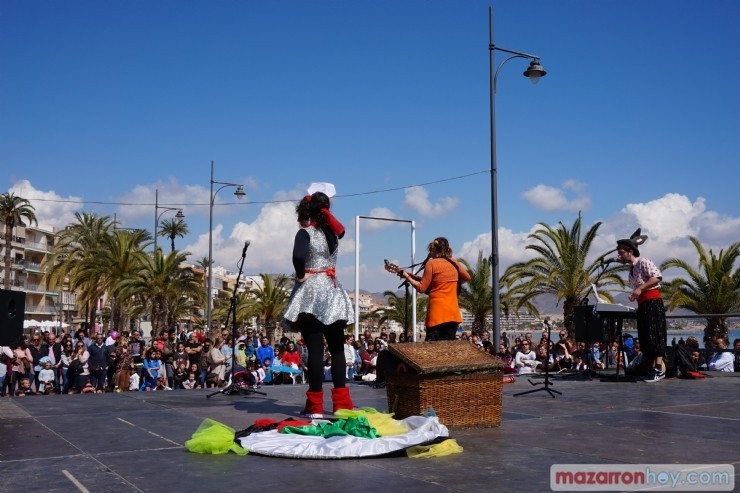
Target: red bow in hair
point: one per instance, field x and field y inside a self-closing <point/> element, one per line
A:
<point x="333" y="223"/>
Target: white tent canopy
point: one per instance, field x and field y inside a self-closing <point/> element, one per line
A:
<point x="46" y="324"/>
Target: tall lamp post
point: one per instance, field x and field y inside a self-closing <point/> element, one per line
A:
<point x="179" y="215"/>
<point x="534" y="73"/>
<point x="239" y="193"/>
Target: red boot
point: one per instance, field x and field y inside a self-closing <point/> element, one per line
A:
<point x="314" y="405"/>
<point x="341" y="399"/>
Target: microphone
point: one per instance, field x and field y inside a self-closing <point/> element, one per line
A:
<point x="610" y="261"/>
<point x="246" y="245"/>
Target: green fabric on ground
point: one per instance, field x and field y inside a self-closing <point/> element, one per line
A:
<point x="358" y="427"/>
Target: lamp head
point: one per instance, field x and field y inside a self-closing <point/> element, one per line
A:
<point x="179" y="214"/>
<point x="240" y="192"/>
<point x="535" y="71"/>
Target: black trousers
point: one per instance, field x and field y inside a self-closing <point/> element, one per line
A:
<point x="314" y="333"/>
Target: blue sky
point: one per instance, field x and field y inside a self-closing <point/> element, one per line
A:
<point x="636" y="123"/>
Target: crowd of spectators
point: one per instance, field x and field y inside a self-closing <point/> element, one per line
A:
<point x="120" y="362"/>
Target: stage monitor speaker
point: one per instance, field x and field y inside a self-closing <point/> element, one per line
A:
<point x="589" y="327"/>
<point x="12" y="313"/>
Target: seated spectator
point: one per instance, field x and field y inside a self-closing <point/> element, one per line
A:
<point x="637" y="356"/>
<point x="612" y="356"/>
<point x="267" y="377"/>
<point x="190" y="382"/>
<point x="736" y="345"/>
<point x="327" y="370"/>
<point x="259" y="372"/>
<point x="687" y="357"/>
<point x="578" y="363"/>
<point x="133" y="381"/>
<point x="162" y="384"/>
<point x="721" y="360"/>
<point x="24" y="388"/>
<point x="525" y="360"/>
<point x="628" y="346"/>
<point x="369" y="358"/>
<point x="594" y="357"/>
<point x="563" y="358"/>
<point x="507" y="359"/>
<point x="181" y="374"/>
<point x="545" y="358"/>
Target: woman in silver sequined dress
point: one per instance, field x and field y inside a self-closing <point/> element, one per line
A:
<point x="319" y="307"/>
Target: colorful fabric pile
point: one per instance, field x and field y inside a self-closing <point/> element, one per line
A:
<point x="353" y="434"/>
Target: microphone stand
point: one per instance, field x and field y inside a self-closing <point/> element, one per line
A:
<point x="232" y="388"/>
<point x="546" y="383"/>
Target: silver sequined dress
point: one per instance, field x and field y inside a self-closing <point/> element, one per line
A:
<point x="320" y="295"/>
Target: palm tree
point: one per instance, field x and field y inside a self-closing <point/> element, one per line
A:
<point x="270" y="301"/>
<point x="371" y="319"/>
<point x="13" y="210"/>
<point x="561" y="269"/>
<point x="476" y="295"/>
<point x="79" y="243"/>
<point x="713" y="287"/>
<point x="172" y="228"/>
<point x="398" y="310"/>
<point x="245" y="309"/>
<point x="160" y="280"/>
<point x="119" y="256"/>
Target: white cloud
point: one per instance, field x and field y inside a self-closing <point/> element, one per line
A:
<point x="377" y="225"/>
<point x="511" y="248"/>
<point x="51" y="209"/>
<point x="551" y="199"/>
<point x="417" y="198"/>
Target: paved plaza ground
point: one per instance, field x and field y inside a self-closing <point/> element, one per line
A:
<point x="133" y="442"/>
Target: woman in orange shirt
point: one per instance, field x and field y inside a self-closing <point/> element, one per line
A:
<point x="441" y="280"/>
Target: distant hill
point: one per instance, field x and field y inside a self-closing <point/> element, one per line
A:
<point x="546" y="304"/>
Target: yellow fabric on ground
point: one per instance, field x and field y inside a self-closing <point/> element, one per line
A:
<point x="213" y="437"/>
<point x="448" y="447"/>
<point x="383" y="423"/>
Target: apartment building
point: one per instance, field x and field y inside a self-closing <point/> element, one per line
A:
<point x="29" y="247"/>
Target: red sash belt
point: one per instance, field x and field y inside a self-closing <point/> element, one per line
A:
<point x="331" y="272"/>
<point x="650" y="294"/>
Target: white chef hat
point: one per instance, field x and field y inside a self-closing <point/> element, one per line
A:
<point x="326" y="188"/>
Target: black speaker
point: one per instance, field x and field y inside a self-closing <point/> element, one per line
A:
<point x="589" y="327"/>
<point x="12" y="313"/>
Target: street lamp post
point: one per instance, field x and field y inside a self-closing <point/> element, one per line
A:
<point x="179" y="215"/>
<point x="534" y="73"/>
<point x="239" y="193"/>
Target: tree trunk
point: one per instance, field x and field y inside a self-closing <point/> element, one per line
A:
<point x="569" y="321"/>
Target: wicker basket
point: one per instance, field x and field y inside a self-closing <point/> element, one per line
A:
<point x="461" y="383"/>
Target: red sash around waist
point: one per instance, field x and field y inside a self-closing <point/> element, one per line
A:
<point x="331" y="272"/>
<point x="650" y="294"/>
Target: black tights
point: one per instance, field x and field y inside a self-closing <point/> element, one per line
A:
<point x="313" y="333"/>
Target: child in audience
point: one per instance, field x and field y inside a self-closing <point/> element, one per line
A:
<point x="46" y="379"/>
<point x="134" y="381"/>
<point x="24" y="388"/>
<point x="181" y="374"/>
<point x="190" y="382"/>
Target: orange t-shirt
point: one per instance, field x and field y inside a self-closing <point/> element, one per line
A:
<point x="440" y="283"/>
